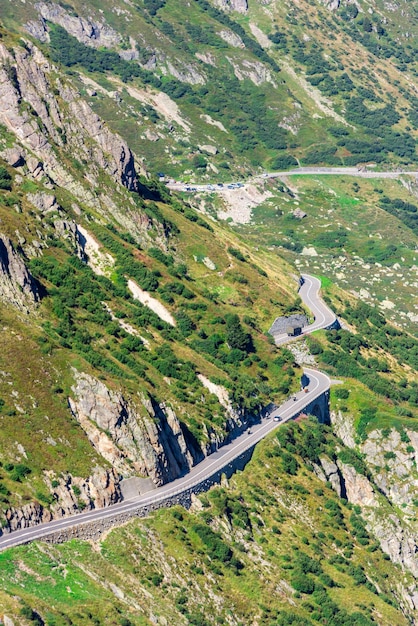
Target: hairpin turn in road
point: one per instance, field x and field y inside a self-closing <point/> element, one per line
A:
<point x="319" y="383"/>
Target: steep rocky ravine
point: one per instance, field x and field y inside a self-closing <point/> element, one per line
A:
<point x="387" y="493"/>
<point x="59" y="142"/>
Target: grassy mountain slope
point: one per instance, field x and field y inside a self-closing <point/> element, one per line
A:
<point x="275" y="545"/>
<point x="317" y="85"/>
<point x="89" y="243"/>
<point x="360" y="233"/>
<point x="96" y="386"/>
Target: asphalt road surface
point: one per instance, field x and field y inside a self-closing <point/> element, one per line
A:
<point x="324" y="317"/>
<point x="318" y="384"/>
<point x="361" y="172"/>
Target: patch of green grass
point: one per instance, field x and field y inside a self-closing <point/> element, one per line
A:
<point x="258" y="512"/>
<point x="326" y="282"/>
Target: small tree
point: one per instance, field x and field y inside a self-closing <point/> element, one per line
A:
<point x="236" y="337"/>
<point x="5" y="179"/>
<point x="302" y="583"/>
<point x="199" y="162"/>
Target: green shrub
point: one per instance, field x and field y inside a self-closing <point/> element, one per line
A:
<point x="19" y="472"/>
<point x="5" y="179"/>
<point x="217" y="549"/>
<point x="237" y="254"/>
<point x="341" y="392"/>
<point x="302" y="583"/>
<point x="348" y="456"/>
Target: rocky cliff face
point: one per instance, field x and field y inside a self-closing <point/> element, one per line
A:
<point x="17" y="286"/>
<point x="86" y="30"/>
<point x="95" y="32"/>
<point x="241" y="6"/>
<point x="391" y="486"/>
<point x="50" y="122"/>
<point x="70" y="495"/>
<point x="138" y="436"/>
<point x="45" y="113"/>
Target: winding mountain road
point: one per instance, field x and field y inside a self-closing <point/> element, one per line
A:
<point x="211" y="465"/>
<point x="323" y="316"/>
<point x="359" y="172"/>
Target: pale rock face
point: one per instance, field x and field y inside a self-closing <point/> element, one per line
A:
<point x="256" y="71"/>
<point x="46" y="203"/>
<point x="331" y="471"/>
<point x="14" y="156"/>
<point x="67" y="229"/>
<point x="395" y="476"/>
<point x="120" y="165"/>
<point x="358" y="488"/>
<point x="85" y="30"/>
<point x="96" y="491"/>
<point x="17" y="286"/>
<point x="232" y="38"/>
<point x="209" y="149"/>
<point x="76" y="120"/>
<point x="141" y="436"/>
<point x="241" y="6"/>
<point x="332" y="4"/>
<point x="394" y="468"/>
<point x="185" y="73"/>
<point x="398" y="542"/>
<point x="206" y="57"/>
<point x="343" y="427"/>
<point x="413" y="436"/>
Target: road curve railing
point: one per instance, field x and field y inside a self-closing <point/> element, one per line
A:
<point x="319" y="383"/>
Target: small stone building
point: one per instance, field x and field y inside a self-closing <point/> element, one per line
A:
<point x="291" y="325"/>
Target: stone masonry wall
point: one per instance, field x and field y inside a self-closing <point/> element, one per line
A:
<point x="94" y="529"/>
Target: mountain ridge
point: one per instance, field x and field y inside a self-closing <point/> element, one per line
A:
<point x="147" y="310"/>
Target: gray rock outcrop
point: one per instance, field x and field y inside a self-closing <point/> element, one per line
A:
<point x="139" y="436"/>
<point x="332" y="474"/>
<point x="358" y="488"/>
<point x="333" y="5"/>
<point x="241" y="6"/>
<point x="391" y="486"/>
<point x="95" y="32"/>
<point x="17" y="286"/>
<point x="256" y="71"/>
<point x="343" y="427"/>
<point x="71" y="495"/>
<point x="232" y="38"/>
<point x="86" y="30"/>
<point x="44" y="124"/>
<point x="44" y="202"/>
<point x="14" y="156"/>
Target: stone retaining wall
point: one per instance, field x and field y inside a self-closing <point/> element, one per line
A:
<point x="93" y="530"/>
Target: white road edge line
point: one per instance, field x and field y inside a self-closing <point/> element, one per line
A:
<point x="225" y="455"/>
